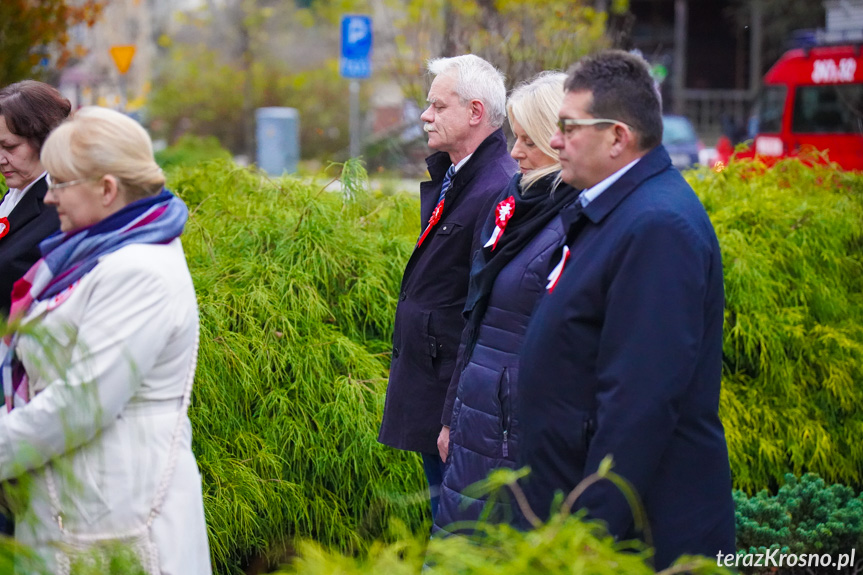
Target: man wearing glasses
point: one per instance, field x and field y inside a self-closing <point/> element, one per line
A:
<point x="623" y="356"/>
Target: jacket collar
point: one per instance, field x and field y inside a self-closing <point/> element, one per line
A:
<point x="653" y="162"/>
<point x="30" y="206"/>
<point x="488" y="151"/>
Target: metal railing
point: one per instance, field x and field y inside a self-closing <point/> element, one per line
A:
<point x="710" y="110"/>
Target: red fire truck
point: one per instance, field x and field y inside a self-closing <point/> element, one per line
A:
<point x="811" y="97"/>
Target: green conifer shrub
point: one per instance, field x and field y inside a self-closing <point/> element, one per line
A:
<point x="296" y="289"/>
<point x="805" y="516"/>
<point x="792" y="248"/>
<point x="297" y="293"/>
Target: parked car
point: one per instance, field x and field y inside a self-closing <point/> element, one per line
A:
<point x="679" y="138"/>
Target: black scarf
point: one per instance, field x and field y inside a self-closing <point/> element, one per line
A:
<point x="534" y="209"/>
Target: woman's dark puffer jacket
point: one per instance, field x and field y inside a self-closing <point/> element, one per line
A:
<point x="483" y="430"/>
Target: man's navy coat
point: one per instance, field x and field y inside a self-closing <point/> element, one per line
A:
<point x="429" y="320"/>
<point x="624" y="358"/>
<point x="29" y="223"/>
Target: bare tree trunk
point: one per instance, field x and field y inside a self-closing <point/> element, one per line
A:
<point x="248" y="95"/>
<point x="619" y="30"/>
<point x="450" y="31"/>
<point x="246" y="58"/>
<point x="681" y="23"/>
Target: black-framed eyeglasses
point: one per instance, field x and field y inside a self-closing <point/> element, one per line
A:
<point x="568" y="125"/>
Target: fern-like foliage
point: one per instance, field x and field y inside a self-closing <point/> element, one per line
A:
<point x="560" y="547"/>
<point x="296" y="287"/>
<point x="792" y="247"/>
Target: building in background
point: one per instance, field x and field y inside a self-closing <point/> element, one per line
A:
<point x="711" y="55"/>
<point x="93" y="79"/>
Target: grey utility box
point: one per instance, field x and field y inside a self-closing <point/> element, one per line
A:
<point x="278" y="136"/>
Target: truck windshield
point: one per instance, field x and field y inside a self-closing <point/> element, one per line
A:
<point x="828" y="109"/>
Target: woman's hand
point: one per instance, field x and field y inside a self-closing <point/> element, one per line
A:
<point x="443" y="443"/>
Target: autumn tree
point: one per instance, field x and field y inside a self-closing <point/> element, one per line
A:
<point x="520" y="37"/>
<point x="524" y="37"/>
<point x="34" y="29"/>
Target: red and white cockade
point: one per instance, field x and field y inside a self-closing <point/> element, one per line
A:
<point x="504" y="211"/>
<point x="555" y="274"/>
<point x="435" y="218"/>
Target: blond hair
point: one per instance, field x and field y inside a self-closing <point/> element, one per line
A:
<point x="535" y="105"/>
<point x="96" y="142"/>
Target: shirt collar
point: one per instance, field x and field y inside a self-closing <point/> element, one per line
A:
<point x="590" y="194"/>
<point x="13" y="197"/>
<point x="463" y="162"/>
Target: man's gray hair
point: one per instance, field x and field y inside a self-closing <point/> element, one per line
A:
<point x="476" y="79"/>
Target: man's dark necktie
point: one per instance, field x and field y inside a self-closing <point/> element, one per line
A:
<point x="447" y="182"/>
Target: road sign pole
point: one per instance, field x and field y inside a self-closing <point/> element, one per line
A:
<point x="355" y="119"/>
<point x="356" y="63"/>
<point x="123" y="96"/>
<point x="122" y="56"/>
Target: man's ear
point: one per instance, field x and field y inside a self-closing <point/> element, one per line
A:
<point x="477" y="112"/>
<point x="623" y="139"/>
<point x="110" y="190"/>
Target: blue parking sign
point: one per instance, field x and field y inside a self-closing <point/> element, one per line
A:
<point x="356" y="46"/>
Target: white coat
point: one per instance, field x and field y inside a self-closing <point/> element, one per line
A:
<point x="106" y="388"/>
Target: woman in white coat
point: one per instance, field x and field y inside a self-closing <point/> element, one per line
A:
<point x="98" y="376"/>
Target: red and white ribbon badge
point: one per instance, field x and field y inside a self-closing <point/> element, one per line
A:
<point x="435" y="218"/>
<point x="502" y="214"/>
<point x="555" y="274"/>
<point x="4" y="226"/>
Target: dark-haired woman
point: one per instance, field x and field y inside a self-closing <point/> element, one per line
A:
<point x="29" y="110"/>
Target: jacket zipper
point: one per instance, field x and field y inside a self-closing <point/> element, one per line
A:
<point x="506" y="421"/>
<point x="588" y="430"/>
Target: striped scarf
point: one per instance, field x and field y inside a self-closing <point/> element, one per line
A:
<point x="67" y="257"/>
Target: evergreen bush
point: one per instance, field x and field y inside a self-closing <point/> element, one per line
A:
<point x="297" y="292"/>
<point x="296" y="287"/>
<point x="805" y="516"/>
<point x="792" y="248"/>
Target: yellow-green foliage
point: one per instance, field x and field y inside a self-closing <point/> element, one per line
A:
<point x="190" y="150"/>
<point x="296" y="288"/>
<point x="297" y="293"/>
<point x="792" y="248"/>
<point x="108" y="558"/>
<point x="17" y="558"/>
<point x="561" y="547"/>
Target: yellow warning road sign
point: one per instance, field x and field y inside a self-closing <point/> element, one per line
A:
<point x="122" y="56"/>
